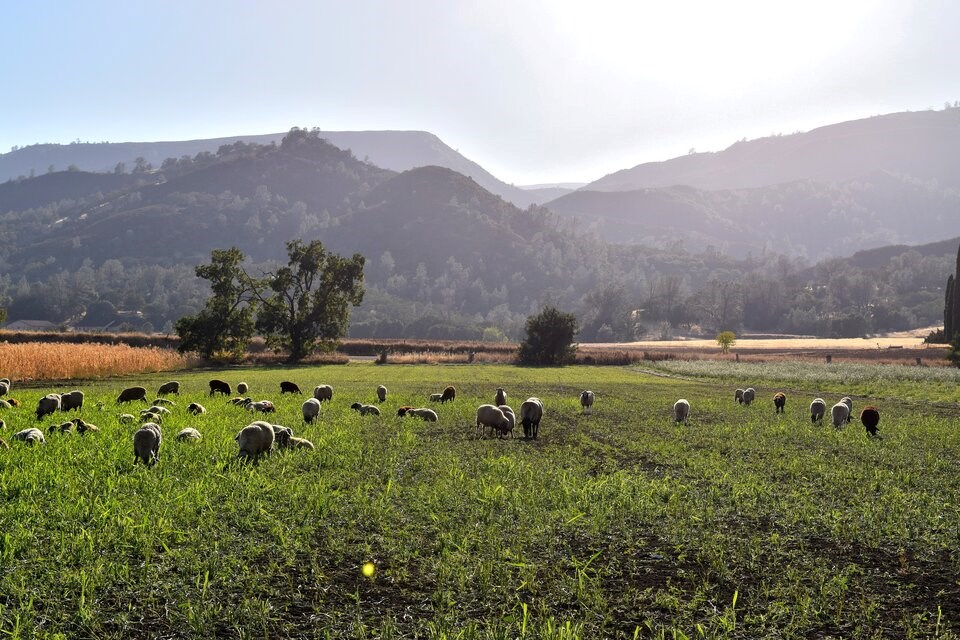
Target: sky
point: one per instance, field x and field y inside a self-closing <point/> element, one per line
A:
<point x="536" y="91"/>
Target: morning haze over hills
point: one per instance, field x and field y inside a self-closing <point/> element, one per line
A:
<point x="758" y="230"/>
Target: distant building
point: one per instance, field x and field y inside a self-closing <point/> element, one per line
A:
<point x="31" y="325"/>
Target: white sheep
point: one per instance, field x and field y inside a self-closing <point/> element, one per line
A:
<point x="48" y="404"/>
<point x="381" y="393"/>
<point x="255" y="440"/>
<point x="365" y="409"/>
<point x="847" y="400"/>
<point x="586" y="401"/>
<point x="681" y="410"/>
<point x="436" y="397"/>
<point x="263" y="406"/>
<point x="310" y="410"/>
<point x="748" y="395"/>
<point x="299" y="443"/>
<point x="427" y="415"/>
<point x="30" y="436"/>
<point x="196" y="408"/>
<point x="492" y="417"/>
<point x="158" y="409"/>
<point x="188" y="433"/>
<point x="841" y="414"/>
<point x="146" y="444"/>
<point x="511" y="421"/>
<point x="126" y="418"/>
<point x="818" y="408"/>
<point x="323" y="392"/>
<point x="163" y="402"/>
<point x="531" y="412"/>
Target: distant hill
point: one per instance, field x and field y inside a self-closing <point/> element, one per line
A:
<point x="394" y="150"/>
<point x="881" y="256"/>
<point x="919" y="144"/>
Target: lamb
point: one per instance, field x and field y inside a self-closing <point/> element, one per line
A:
<point x="196" y="408"/>
<point x="586" y="401"/>
<point x="310" y="410"/>
<point x="449" y="394"/>
<point x="146" y="444"/>
<point x="159" y="410"/>
<point x="132" y="393"/>
<point x="299" y="443"/>
<point x="738" y="396"/>
<point x="817" y="410"/>
<point x="511" y="421"/>
<point x="780" y="401"/>
<point x="242" y="388"/>
<point x="841" y="414"/>
<point x="870" y="418"/>
<point x="381" y="394"/>
<point x="4" y="387"/>
<point x="436" y="397"/>
<point x="163" y="402"/>
<point x="169" y="387"/>
<point x="402" y="411"/>
<point x="30" y="436"/>
<point x="427" y="415"/>
<point x="239" y="401"/>
<point x="126" y="418"/>
<point x="366" y="409"/>
<point x="282" y="435"/>
<point x="13" y="402"/>
<point x="681" y="410"/>
<point x="263" y="406"/>
<point x="219" y="386"/>
<point x="255" y="440"/>
<point x="289" y="387"/>
<point x="847" y="400"/>
<point x="64" y="427"/>
<point x="323" y="392"/>
<point x="5" y="404"/>
<point x="150" y="416"/>
<point x="501" y="397"/>
<point x="48" y="404"/>
<point x="85" y="427"/>
<point x="492" y="417"/>
<point x="531" y="412"/>
<point x="748" y="395"/>
<point x="188" y="433"/>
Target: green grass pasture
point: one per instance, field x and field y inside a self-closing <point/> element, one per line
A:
<point x="741" y="524"/>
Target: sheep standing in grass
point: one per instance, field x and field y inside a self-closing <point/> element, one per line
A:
<point x="169" y="387"/>
<point x="738" y="396"/>
<point x="818" y="408"/>
<point x="531" y="412"/>
<point x="281" y="435"/>
<point x="780" y="401"/>
<point x="681" y="410"/>
<point x="188" y="433"/>
<point x="381" y="394"/>
<point x="847" y="400"/>
<point x="511" y="421"/>
<point x="748" y="395"/>
<point x="323" y="392"/>
<point x="436" y="397"/>
<point x="242" y="388"/>
<point x="289" y="387"/>
<point x="84" y="428"/>
<point x="299" y="443"/>
<point x="427" y="415"/>
<point x="870" y="418"/>
<point x="449" y="394"/>
<point x="492" y="417"/>
<point x="586" y="401"/>
<point x="501" y="397"/>
<point x="196" y="408"/>
<point x="840" y="414"/>
<point x="365" y="409"/>
<point x="219" y="386"/>
<point x="48" y="404"/>
<point x="402" y="411"/>
<point x="30" y="436"/>
<point x="132" y="393"/>
<point x="255" y="440"/>
<point x="146" y="444"/>
<point x="310" y="410"/>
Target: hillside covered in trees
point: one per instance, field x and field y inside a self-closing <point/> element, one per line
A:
<point x="445" y="258"/>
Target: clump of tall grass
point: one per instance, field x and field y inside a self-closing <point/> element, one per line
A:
<point x="59" y="361"/>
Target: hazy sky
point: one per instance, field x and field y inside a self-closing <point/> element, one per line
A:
<point x="535" y="91"/>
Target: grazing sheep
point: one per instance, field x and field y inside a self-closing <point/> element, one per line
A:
<point x="126" y="418"/>
<point x="366" y="409"/>
<point x="310" y="410"/>
<point x="146" y="444"/>
<point x="4" y="404"/>
<point x="841" y="414"/>
<point x="748" y="395"/>
<point x="436" y="397"/>
<point x="282" y="435"/>
<point x="531" y="412"/>
<point x="85" y="427"/>
<point x="818" y="408"/>
<point x="13" y="402"/>
<point x="427" y="415"/>
<point x="289" y="387"/>
<point x="449" y="393"/>
<point x="681" y="410"/>
<point x="738" y="396"/>
<point x="263" y="406"/>
<point x="847" y="400"/>
<point x="780" y="401"/>
<point x="132" y="393"/>
<point x="492" y="417"/>
<point x="150" y="416"/>
<point x="188" y="434"/>
<point x="299" y="443"/>
<point x="48" y="404"/>
<point x="239" y="400"/>
<point x="323" y="392"/>
<point x="870" y="417"/>
<point x="163" y="402"/>
<point x="255" y="440"/>
<point x="159" y="410"/>
<point x="71" y="401"/>
<point x="586" y="401"/>
<point x="4" y="388"/>
<point x="64" y="427"/>
<point x="169" y="387"/>
<point x="30" y="436"/>
<point x="219" y="386"/>
<point x="402" y="411"/>
<point x="501" y="397"/>
<point x="196" y="408"/>
<point x="381" y="394"/>
<point x="242" y="388"/>
<point x="511" y="421"/>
